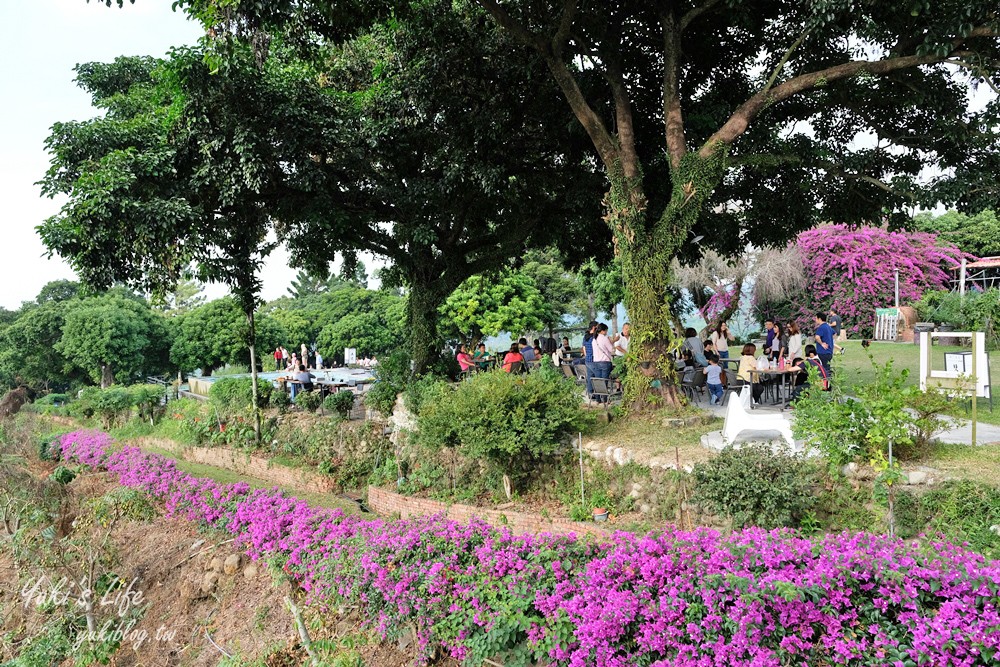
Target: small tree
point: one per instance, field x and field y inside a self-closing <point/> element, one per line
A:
<point x="485" y="306"/>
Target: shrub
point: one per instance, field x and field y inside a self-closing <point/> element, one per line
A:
<point x="478" y="593"/>
<point x="280" y="400"/>
<point x="113" y="404"/>
<point x="756" y="486"/>
<point x="53" y="399"/>
<point x="885" y="410"/>
<point x="63" y="475"/>
<point x="308" y="400"/>
<point x="147" y="399"/>
<point x="234" y="396"/>
<point x="84" y="405"/>
<point x="966" y="511"/>
<point x="510" y="422"/>
<point x="391" y="377"/>
<point x="339" y="403"/>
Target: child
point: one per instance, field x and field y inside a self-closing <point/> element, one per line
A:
<point x="813" y="358"/>
<point x="714" y="381"/>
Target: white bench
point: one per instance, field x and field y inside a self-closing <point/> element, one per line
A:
<point x="739" y="418"/>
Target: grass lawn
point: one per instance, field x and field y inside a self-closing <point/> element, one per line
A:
<point x="854" y="367"/>
<point x="649" y="435"/>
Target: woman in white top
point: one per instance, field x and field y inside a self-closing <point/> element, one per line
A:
<point x="720" y="339"/>
<point x="794" y="341"/>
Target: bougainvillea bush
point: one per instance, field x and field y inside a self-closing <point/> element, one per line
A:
<point x="679" y="599"/>
<point x="853" y="271"/>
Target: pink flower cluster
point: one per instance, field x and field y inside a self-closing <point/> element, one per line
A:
<point x="683" y="599"/>
<point x="853" y="270"/>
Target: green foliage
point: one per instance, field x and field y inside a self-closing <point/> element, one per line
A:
<point x="113" y="404"/>
<point x="63" y="475"/>
<point x="391" y="377"/>
<point x="122" y="503"/>
<point x="977" y="234"/>
<point x="484" y="306"/>
<point x="233" y="396"/>
<point x="510" y="422"/>
<point x="53" y="399"/>
<point x="339" y="403"/>
<point x="756" y="486"/>
<point x="309" y="401"/>
<point x="217" y="334"/>
<point x="977" y="311"/>
<point x="147" y="398"/>
<point x="374" y="328"/>
<point x="28" y="353"/>
<point x="860" y="428"/>
<point x="965" y="511"/>
<point x="280" y="400"/>
<point x="114" y="336"/>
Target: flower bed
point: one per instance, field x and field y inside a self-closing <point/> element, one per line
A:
<point x="674" y="598"/>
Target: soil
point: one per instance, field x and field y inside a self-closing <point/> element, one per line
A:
<point x="168" y="559"/>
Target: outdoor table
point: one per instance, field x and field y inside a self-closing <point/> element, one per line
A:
<point x="783" y="375"/>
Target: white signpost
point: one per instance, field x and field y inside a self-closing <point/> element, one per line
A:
<point x="966" y="372"/>
<point x="350" y="356"/>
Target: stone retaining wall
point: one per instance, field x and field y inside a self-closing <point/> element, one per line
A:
<point x="251" y="466"/>
<point x="385" y="502"/>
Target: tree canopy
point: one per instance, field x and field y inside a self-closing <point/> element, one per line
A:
<point x="977" y="234"/>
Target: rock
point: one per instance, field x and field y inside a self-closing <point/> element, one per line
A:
<point x="655" y="462"/>
<point x="405" y="641"/>
<point x="850" y="470"/>
<point x="197" y="545"/>
<point x="622" y="456"/>
<point x="609" y="454"/>
<point x="916" y="477"/>
<point x="250" y="571"/>
<point x="645" y="509"/>
<point x="688" y="468"/>
<point x="216" y="565"/>
<point x="209" y="583"/>
<point x="231" y="564"/>
<point x="190" y="589"/>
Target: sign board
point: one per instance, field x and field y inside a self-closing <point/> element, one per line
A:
<point x="887" y="323"/>
<point x="959" y="362"/>
<point x="350" y="356"/>
<point x="952" y="378"/>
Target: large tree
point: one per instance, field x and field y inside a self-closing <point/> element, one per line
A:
<point x="977" y="234"/>
<point x="114" y="337"/>
<point x="216" y="334"/>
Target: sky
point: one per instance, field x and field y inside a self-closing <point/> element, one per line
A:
<point x="40" y="43"/>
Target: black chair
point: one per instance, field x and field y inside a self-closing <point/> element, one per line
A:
<point x="605" y="389"/>
<point x="693" y="383"/>
<point x="733" y="385"/>
<point x="517" y="367"/>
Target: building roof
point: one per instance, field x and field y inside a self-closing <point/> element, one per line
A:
<point x="984" y="263"/>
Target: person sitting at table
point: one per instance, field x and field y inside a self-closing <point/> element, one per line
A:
<point x="465" y="361"/>
<point x="566" y="349"/>
<point x="512" y="357"/>
<point x="692" y="342"/>
<point x="481" y="357"/>
<point x="801" y="380"/>
<point x="528" y="353"/>
<point x="303" y="380"/>
<point x="710" y="354"/>
<point x="749" y="363"/>
<point x="813" y="359"/>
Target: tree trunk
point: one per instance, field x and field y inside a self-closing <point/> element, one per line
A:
<point x="252" y="343"/>
<point x="107" y="375"/>
<point x="422" y="313"/>
<point x="591" y="310"/>
<point x="614" y="319"/>
<point x="646" y="249"/>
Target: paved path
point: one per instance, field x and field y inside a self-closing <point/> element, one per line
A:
<point x="986" y="434"/>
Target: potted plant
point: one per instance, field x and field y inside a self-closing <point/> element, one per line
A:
<point x="600" y="514"/>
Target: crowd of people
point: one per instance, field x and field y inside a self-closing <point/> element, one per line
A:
<point x="310" y="358"/>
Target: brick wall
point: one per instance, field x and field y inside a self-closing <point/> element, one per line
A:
<point x="386" y="502"/>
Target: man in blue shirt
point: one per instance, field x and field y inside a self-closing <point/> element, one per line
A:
<point x="769" y="330"/>
<point x="824" y="342"/>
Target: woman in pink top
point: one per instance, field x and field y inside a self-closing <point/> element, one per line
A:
<point x="464" y="359"/>
<point x="603" y="352"/>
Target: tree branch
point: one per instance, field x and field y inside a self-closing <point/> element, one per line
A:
<point x="561" y="37"/>
<point x="738" y="122"/>
<point x="695" y="13"/>
<point x="784" y="61"/>
<point x="673" y="117"/>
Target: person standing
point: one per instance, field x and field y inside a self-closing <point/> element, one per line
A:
<point x="277" y="358"/>
<point x="621" y="340"/>
<point x="769" y="329"/>
<point x="794" y="341"/>
<point x="603" y="353"/>
<point x="824" y="342"/>
<point x="779" y="346"/>
<point x="839" y="332"/>
<point x="714" y="381"/>
<point x="588" y="355"/>
<point x="720" y="340"/>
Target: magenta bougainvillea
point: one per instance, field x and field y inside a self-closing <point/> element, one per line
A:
<point x="667" y="599"/>
<point x="852" y="270"/>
